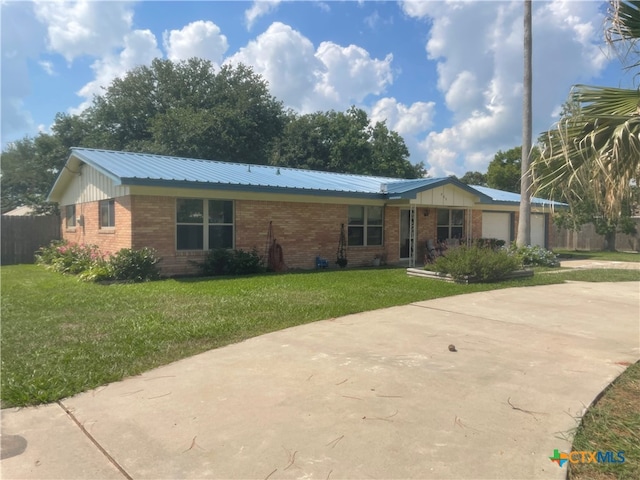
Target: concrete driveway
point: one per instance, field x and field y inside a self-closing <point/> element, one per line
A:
<point x="372" y="395"/>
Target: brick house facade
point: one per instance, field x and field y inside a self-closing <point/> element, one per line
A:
<point x="104" y="205"/>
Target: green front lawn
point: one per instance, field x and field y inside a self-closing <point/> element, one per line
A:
<point x="612" y="425"/>
<point x="60" y="336"/>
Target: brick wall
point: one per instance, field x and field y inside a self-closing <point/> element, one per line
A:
<point x="154" y="225"/>
<point x="303" y="230"/>
<point x="426" y="228"/>
<point x="392" y="235"/>
<point x="109" y="240"/>
<point x="476" y="224"/>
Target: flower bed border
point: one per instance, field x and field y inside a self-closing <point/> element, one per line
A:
<point x="445" y="277"/>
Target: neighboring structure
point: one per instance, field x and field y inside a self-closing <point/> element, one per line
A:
<point x="22" y="211"/>
<point x="184" y="207"/>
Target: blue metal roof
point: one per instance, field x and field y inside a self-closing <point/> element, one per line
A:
<point x="154" y="170"/>
<point x="502" y="197"/>
<point x="143" y="169"/>
<point x="408" y="188"/>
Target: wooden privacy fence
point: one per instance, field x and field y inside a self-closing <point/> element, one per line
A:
<point x="21" y="236"/>
<point x="587" y="239"/>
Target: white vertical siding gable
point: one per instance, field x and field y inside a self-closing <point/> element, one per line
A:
<point x="89" y="185"/>
<point x="445" y="195"/>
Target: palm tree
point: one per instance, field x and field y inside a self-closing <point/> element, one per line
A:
<point x="524" y="221"/>
<point x="594" y="150"/>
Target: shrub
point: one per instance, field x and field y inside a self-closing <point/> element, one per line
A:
<point x="482" y="263"/>
<point x="492" y="243"/>
<point x="221" y="261"/>
<point x="64" y="257"/>
<point x="97" y="273"/>
<point x="91" y="265"/>
<point x="134" y="265"/>
<point x="534" y="256"/>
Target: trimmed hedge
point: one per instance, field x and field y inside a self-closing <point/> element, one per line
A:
<point x="222" y="261"/>
<point x="482" y="263"/>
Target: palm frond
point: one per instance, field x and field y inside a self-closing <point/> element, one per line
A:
<point x="594" y="150"/>
<point x="623" y="29"/>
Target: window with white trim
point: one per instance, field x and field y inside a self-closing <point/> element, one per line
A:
<point x="107" y="209"/>
<point x="450" y="224"/>
<point x="365" y="226"/>
<point x="204" y="222"/>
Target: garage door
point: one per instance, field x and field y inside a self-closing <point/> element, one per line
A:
<point x="538" y="229"/>
<point x="496" y="225"/>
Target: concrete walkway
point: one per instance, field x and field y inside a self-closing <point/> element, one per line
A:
<point x="372" y="395"/>
<point x="598" y="264"/>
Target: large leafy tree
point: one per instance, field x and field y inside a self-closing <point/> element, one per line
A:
<point x="503" y="172"/>
<point x="187" y="109"/>
<point x="184" y="109"/>
<point x="474" y="178"/>
<point x="344" y="142"/>
<point x="29" y="168"/>
<point x="592" y="155"/>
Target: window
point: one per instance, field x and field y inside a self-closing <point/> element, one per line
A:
<point x="220" y="224"/>
<point x="204" y="222"/>
<point x="107" y="213"/>
<point x="365" y="226"/>
<point x="190" y="221"/>
<point x="450" y="224"/>
<point x="70" y="216"/>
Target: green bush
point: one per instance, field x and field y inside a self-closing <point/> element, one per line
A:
<point x="221" y="261"/>
<point x="91" y="265"/>
<point x="492" y="243"/>
<point x="65" y="257"/>
<point x="483" y="264"/>
<point x="97" y="273"/>
<point x="531" y="256"/>
<point x="134" y="265"/>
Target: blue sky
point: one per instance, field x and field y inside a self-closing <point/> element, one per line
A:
<point x="447" y="75"/>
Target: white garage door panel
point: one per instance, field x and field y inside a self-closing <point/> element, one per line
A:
<point x="537" y="229"/>
<point x="496" y="225"/>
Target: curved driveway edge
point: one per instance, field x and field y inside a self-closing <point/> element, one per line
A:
<point x="370" y="395"/>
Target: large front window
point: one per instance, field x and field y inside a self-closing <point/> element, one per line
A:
<point x="365" y="226"/>
<point x="204" y="222"/>
<point x="450" y="224"/>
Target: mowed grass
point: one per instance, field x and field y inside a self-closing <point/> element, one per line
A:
<point x="60" y="336"/>
<point x="612" y="424"/>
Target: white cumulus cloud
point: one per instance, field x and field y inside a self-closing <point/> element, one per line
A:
<point x="259" y="9"/>
<point x="351" y="74"/>
<point x="480" y="72"/>
<point x="76" y="28"/>
<point x="202" y="39"/>
<point x="307" y="78"/>
<point x="140" y="48"/>
<point x="406" y="120"/>
<point x="22" y="41"/>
